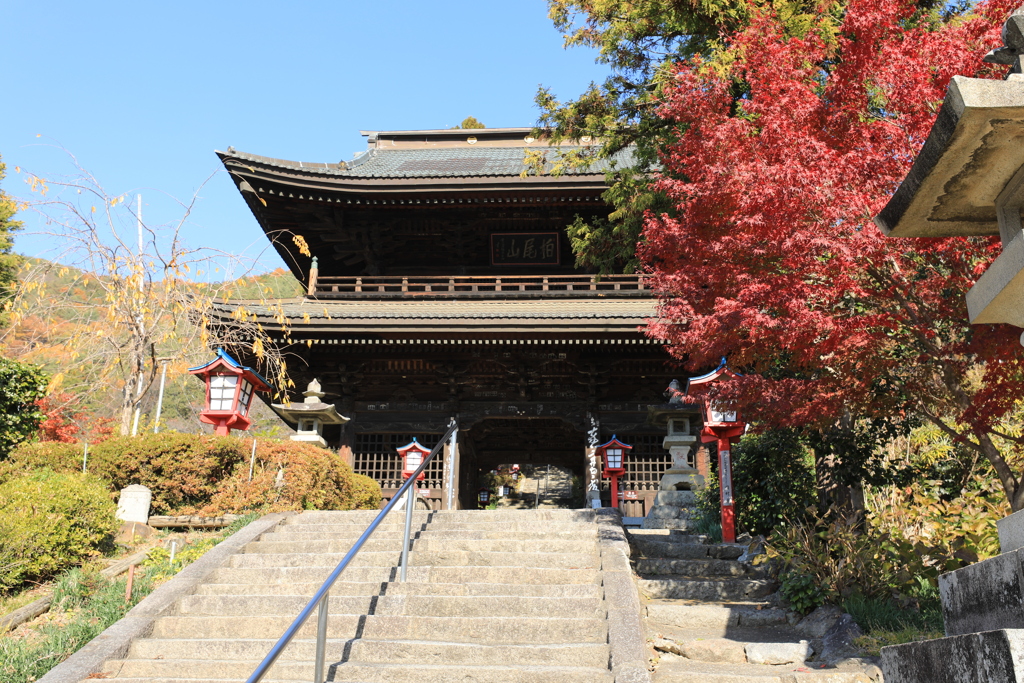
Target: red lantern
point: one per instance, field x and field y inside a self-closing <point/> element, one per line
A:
<point x="613" y="455"/>
<point x="483" y="497"/>
<point x="722" y="424"/>
<point x="229" y="390"/>
<point x="412" y="457"/>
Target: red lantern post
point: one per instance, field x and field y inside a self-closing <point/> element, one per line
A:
<point x="412" y="457"/>
<point x="613" y="455"/>
<point x="722" y="424"/>
<point x="229" y="390"/>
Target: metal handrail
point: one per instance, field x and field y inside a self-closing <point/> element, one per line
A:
<point x="322" y="595"/>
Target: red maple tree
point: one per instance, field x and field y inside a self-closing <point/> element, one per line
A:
<point x="783" y="153"/>
<point x="65" y="420"/>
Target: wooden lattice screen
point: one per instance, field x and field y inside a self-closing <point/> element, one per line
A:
<point x="376" y="457"/>
<point x="645" y="465"/>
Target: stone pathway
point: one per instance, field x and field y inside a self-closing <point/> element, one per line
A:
<point x="555" y="490"/>
<point x="712" y="619"/>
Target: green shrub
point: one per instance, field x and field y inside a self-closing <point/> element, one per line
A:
<point x="21" y="385"/>
<point x="802" y="591"/>
<point x="202" y="474"/>
<point x="312" y="478"/>
<point x="50" y="521"/>
<point x="773" y="480"/>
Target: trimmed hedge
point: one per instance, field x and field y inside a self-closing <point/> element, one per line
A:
<point x="50" y="521"/>
<point x="208" y="475"/>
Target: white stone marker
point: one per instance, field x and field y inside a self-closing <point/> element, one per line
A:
<point x="133" y="505"/>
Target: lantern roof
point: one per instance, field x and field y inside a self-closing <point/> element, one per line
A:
<point x="614" y="442"/>
<point x="224" y="360"/>
<point x="721" y="371"/>
<point x="411" y="446"/>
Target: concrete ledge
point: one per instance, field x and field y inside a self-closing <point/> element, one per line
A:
<point x="626" y="638"/>
<point x="984" y="596"/>
<point x="993" y="657"/>
<point x="996" y="296"/>
<point x="1011" y="532"/>
<point x="138" y="623"/>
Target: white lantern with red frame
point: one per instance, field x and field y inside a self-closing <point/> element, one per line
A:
<point x="412" y="457"/>
<point x="229" y="391"/>
<point x="613" y="455"/>
<point x="722" y="424"/>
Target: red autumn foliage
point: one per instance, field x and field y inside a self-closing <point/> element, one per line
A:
<point x="771" y="259"/>
<point x="64" y="421"/>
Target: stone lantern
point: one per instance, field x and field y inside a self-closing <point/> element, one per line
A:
<point x="969" y="180"/>
<point x="229" y="390"/>
<point x="310" y="416"/>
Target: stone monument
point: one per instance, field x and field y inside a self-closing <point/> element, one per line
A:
<point x="133" y="504"/>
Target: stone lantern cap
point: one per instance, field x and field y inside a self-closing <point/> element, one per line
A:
<point x="971" y="154"/>
<point x="969" y="180"/>
<point x="311" y="407"/>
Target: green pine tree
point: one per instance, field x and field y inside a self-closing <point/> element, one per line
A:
<point x="469" y="122"/>
<point x="9" y="261"/>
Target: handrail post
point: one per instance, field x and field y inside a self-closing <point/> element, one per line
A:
<point x="410" y="498"/>
<point x="321" y="640"/>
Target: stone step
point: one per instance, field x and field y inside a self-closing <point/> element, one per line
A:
<point x="579" y="590"/>
<point x="706" y="589"/>
<point x="539" y="545"/>
<point x="481" y="630"/>
<point x="681" y="670"/>
<point x="736" y="650"/>
<point x="373" y="651"/>
<point x="706" y="568"/>
<point x="496" y="534"/>
<point x="444" y="558"/>
<point x="716" y="619"/>
<point x="445" y="517"/>
<point x="412" y="605"/>
<point x="685" y="525"/>
<point x="658" y="548"/>
<point x="590" y="655"/>
<point x="168" y="671"/>
<point x="468" y="574"/>
<point x="524" y="527"/>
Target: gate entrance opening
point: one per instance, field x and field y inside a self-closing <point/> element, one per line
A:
<point x="494" y="445"/>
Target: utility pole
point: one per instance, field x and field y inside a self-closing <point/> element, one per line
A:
<point x="160" y="396"/>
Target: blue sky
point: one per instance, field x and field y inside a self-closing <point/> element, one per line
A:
<point x="142" y="93"/>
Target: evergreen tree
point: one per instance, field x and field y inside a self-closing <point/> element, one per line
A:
<point x="9" y="261"/>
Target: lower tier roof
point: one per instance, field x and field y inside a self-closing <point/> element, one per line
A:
<point x="541" y="318"/>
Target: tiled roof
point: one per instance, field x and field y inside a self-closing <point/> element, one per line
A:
<point x="443" y="162"/>
<point x="622" y="311"/>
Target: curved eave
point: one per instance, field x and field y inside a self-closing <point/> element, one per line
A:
<point x="302" y="177"/>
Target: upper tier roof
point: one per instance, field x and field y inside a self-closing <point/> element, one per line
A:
<point x="445" y="162"/>
<point x="473" y="153"/>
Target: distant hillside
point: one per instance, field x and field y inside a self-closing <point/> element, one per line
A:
<point x="74" y="304"/>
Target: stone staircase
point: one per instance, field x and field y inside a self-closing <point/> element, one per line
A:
<point x="711" y="619"/>
<point x="510" y="596"/>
